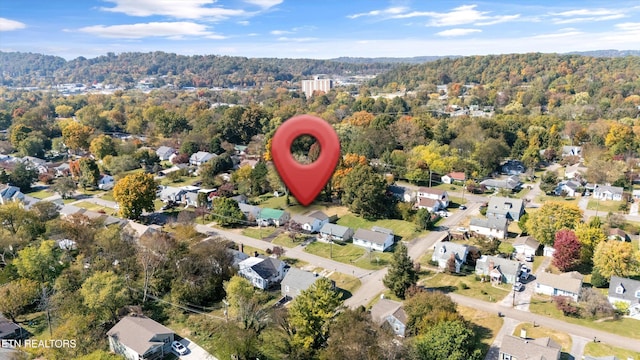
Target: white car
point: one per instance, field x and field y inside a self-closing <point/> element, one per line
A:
<point x="179" y="348"/>
<point x="518" y="286"/>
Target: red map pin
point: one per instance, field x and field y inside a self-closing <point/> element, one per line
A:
<point x="305" y="181"/>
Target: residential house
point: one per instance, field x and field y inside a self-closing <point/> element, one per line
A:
<point x="9" y="193"/>
<point x="251" y="212"/>
<point x="166" y="153"/>
<point x="430" y="204"/>
<point x="513" y="167"/>
<point x="379" y="239"/>
<point x="568" y="188"/>
<point x="628" y="291"/>
<point x="575" y="171"/>
<point x="137" y="230"/>
<point x="636" y="194"/>
<point x="62" y="170"/>
<point x="263" y="272"/>
<point x="618" y="234"/>
<point x="296" y="281"/>
<point x="140" y="338"/>
<point x="604" y="192"/>
<point x="492" y="227"/>
<point x="10" y="330"/>
<point x="502" y="207"/>
<point x="106" y="182"/>
<point x="443" y="251"/>
<point x="307" y="223"/>
<point x="515" y="348"/>
<point x="526" y="245"/>
<point x="34" y="163"/>
<point x="322" y="217"/>
<point x="240" y="199"/>
<point x="565" y="284"/>
<point x="273" y="217"/>
<point x="174" y="168"/>
<point x="190" y="198"/>
<point x="248" y="162"/>
<point x="452" y="177"/>
<point x="402" y="193"/>
<point x="571" y="151"/>
<point x="201" y="157"/>
<point x="511" y="183"/>
<point x="68" y="210"/>
<point x="334" y="232"/>
<point x="434" y="194"/>
<point x="170" y="193"/>
<point x="548" y="251"/>
<point x="499" y="269"/>
<point x="390" y="313"/>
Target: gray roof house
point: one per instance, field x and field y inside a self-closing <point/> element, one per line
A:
<point x="308" y="223"/>
<point x="251" y="212"/>
<point x="502" y="207"/>
<point x="493" y="227"/>
<point x="390" y="313"/>
<point x="604" y="192"/>
<point x="296" y="281"/>
<point x="377" y="238"/>
<point x="263" y="272"/>
<point x="140" y="338"/>
<point x="443" y="251"/>
<point x="10" y="330"/>
<point x="565" y="284"/>
<point x="10" y="193"/>
<point x="510" y="183"/>
<point x="165" y="153"/>
<point x="571" y="151"/>
<point x="515" y="348"/>
<point x="499" y="269"/>
<point x="170" y="193"/>
<point x="200" y="158"/>
<point x="402" y="193"/>
<point x="526" y="245"/>
<point x="335" y="232"/>
<point x="513" y="167"/>
<point x="569" y="188"/>
<point x="628" y="291"/>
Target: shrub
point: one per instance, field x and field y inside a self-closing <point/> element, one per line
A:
<point x="565" y="304"/>
<point x="464" y="286"/>
<point x="622" y="307"/>
<point x="595" y="305"/>
<point x="598" y="280"/>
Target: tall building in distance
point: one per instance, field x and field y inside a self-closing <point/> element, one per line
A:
<point x="309" y="86"/>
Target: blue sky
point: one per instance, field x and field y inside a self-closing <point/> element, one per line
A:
<point x="318" y="29"/>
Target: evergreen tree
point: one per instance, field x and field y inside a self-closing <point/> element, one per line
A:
<point x="401" y="273"/>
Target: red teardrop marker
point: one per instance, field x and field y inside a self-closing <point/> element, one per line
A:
<point x="305" y="181"/>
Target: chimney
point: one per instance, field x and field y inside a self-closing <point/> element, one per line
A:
<point x="491" y="266"/>
<point x="255" y="254"/>
<point x="523" y="333"/>
<point x="241" y="247"/>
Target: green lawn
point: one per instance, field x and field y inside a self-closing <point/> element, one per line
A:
<point x="285" y="241"/>
<point x="273" y="202"/>
<point x="606" y="206"/>
<point x="455" y="201"/>
<point x="182" y="181"/>
<point x="347" y="253"/>
<point x="563" y="339"/>
<point x="403" y="229"/>
<point x="374" y="260"/>
<point x="258" y="233"/>
<point x="41" y="194"/>
<point x="546" y="198"/>
<point x="476" y="289"/>
<point x="108" y="196"/>
<point x="346" y="282"/>
<point x="602" y="350"/>
<point x="486" y="325"/>
<point x="624" y="326"/>
<point x="94" y="207"/>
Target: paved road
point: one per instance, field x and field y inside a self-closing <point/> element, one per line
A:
<point x="508" y="326"/>
<point x="589" y="333"/>
<point x="577" y="346"/>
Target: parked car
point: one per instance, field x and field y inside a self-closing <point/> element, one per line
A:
<point x="529" y="258"/>
<point x="524" y="273"/>
<point x="179" y="348"/>
<point x="462" y="207"/>
<point x="518" y="286"/>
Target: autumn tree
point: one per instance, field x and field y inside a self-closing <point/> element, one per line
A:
<point x="64" y="186"/>
<point x="567" y="254"/>
<point x="38" y="263"/>
<point x="104" y="293"/>
<point x="551" y="218"/>
<point x="89" y="173"/>
<point x="620" y="139"/>
<point x="16" y="296"/>
<point x="311" y="313"/>
<point x="589" y="237"/>
<point x="64" y="111"/>
<point x="76" y="136"/>
<point x="152" y="255"/>
<point x="615" y="258"/>
<point x="449" y="340"/>
<point x="401" y="273"/>
<point x="135" y="193"/>
<point x="246" y="304"/>
<point x="425" y="309"/>
<point x="365" y="193"/>
<point x="23" y="176"/>
<point x="102" y="146"/>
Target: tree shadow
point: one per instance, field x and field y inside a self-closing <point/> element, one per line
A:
<point x="345" y="294"/>
<point x="445" y="289"/>
<point x="482" y="333"/>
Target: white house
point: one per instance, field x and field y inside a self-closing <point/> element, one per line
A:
<point x="296" y="281"/>
<point x="628" y="291"/>
<point x="377" y="238"/>
<point x="548" y="251"/>
<point x="140" y="338"/>
<point x="431" y="205"/>
<point x="567" y="188"/>
<point x="452" y="177"/>
<point x="575" y="171"/>
<point x="434" y="194"/>
<point x="526" y="245"/>
<point x="388" y="312"/>
<point x="307" y="223"/>
<point x="106" y="182"/>
<point x="170" y="193"/>
<point x="201" y="157"/>
<point x="491" y="226"/>
<point x="10" y="193"/>
<point x="566" y="284"/>
<point x="335" y="232"/>
<point x="402" y="193"/>
<point x="34" y="163"/>
<point x="604" y="192"/>
<point x="166" y="153"/>
<point x="263" y="272"/>
<point x="443" y="251"/>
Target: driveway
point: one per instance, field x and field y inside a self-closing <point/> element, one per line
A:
<point x="195" y="351"/>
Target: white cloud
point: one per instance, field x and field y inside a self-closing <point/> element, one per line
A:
<point x="172" y="30"/>
<point x="244" y="23"/>
<point x="586" y="15"/>
<point x="10" y="25"/>
<point x="387" y="11"/>
<point x="462" y="15"/>
<point x="499" y="20"/>
<point x="183" y="9"/>
<point x="280" y="32"/>
<point x="568" y="32"/>
<point x="458" y="32"/>
<point x="629" y="26"/>
<point x="265" y="4"/>
<point x="297" y="39"/>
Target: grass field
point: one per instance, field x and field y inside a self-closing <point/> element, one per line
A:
<point x="94" y="207"/>
<point x="457" y="283"/>
<point x="547" y="198"/>
<point x="258" y="233"/>
<point x="347" y="253"/>
<point x="295" y="208"/>
<point x="41" y="194"/>
<point x="183" y="181"/>
<point x="403" y="229"/>
<point x="602" y="350"/>
<point x="535" y="332"/>
<point x="285" y="241"/>
<point x="486" y="325"/>
<point x="346" y="282"/>
<point x="623" y="326"/>
<point x="606" y="206"/>
<point x="374" y="261"/>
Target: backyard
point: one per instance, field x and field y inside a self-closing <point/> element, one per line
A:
<point x="403" y="229"/>
<point x="466" y="285"/>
